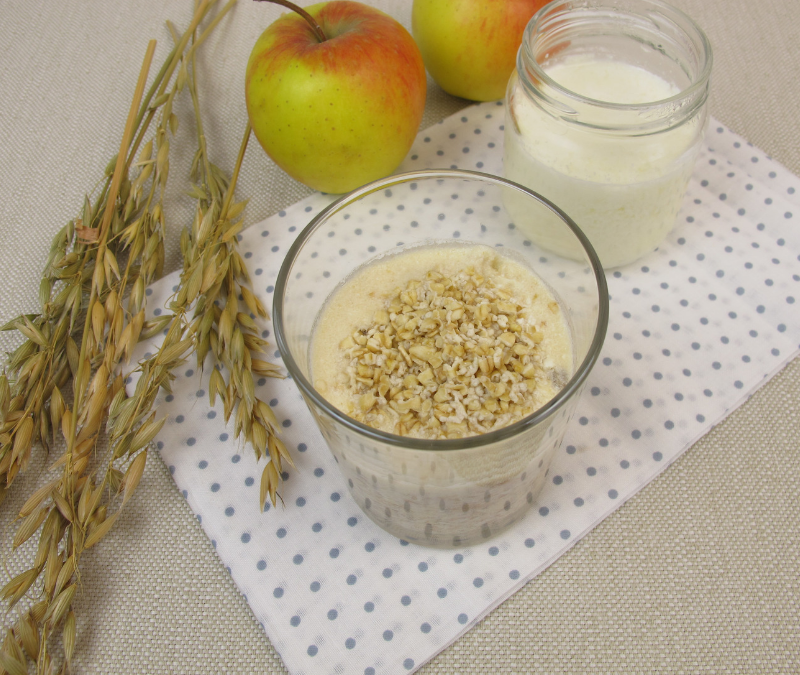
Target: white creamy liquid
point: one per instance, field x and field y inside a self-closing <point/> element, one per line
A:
<point x="353" y="304"/>
<point x="624" y="192"/>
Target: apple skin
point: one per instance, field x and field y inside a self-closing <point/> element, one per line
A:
<point x="470" y="46"/>
<point x="336" y="114"/>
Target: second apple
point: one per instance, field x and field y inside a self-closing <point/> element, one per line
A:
<point x="470" y="46"/>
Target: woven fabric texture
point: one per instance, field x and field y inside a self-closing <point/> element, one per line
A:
<point x="698" y="573"/>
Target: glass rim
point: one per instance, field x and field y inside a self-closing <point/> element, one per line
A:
<point x="700" y="38"/>
<point x="450" y="444"/>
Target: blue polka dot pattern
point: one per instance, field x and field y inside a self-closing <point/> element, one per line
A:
<point x="693" y="328"/>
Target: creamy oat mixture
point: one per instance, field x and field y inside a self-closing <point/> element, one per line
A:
<point x="441" y="342"/>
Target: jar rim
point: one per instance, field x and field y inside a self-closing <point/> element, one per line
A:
<point x="563" y="10"/>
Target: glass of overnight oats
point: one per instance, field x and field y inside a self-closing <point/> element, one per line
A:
<point x="440" y="351"/>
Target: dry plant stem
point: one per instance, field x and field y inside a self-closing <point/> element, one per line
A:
<point x="299" y="10"/>
<point x="235" y="177"/>
<point x="167" y="71"/>
<point x="204" y="35"/>
<point x="127" y="135"/>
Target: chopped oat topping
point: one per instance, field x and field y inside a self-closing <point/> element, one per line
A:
<point x="447" y="358"/>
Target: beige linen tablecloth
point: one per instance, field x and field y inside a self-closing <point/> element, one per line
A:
<point x="700" y="572"/>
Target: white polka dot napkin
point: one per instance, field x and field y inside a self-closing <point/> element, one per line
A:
<point x="695" y="328"/>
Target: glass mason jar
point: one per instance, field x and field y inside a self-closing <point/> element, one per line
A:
<point x="449" y="492"/>
<point x="605" y="116"/>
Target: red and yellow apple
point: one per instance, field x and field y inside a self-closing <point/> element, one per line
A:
<point x="470" y="46"/>
<point x="338" y="113"/>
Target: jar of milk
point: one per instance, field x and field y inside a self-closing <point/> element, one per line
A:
<point x="605" y="117"/>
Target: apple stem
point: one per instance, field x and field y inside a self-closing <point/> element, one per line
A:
<point x="309" y="19"/>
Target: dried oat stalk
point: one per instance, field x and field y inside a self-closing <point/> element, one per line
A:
<point x="92" y="315"/>
<point x="218" y="326"/>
